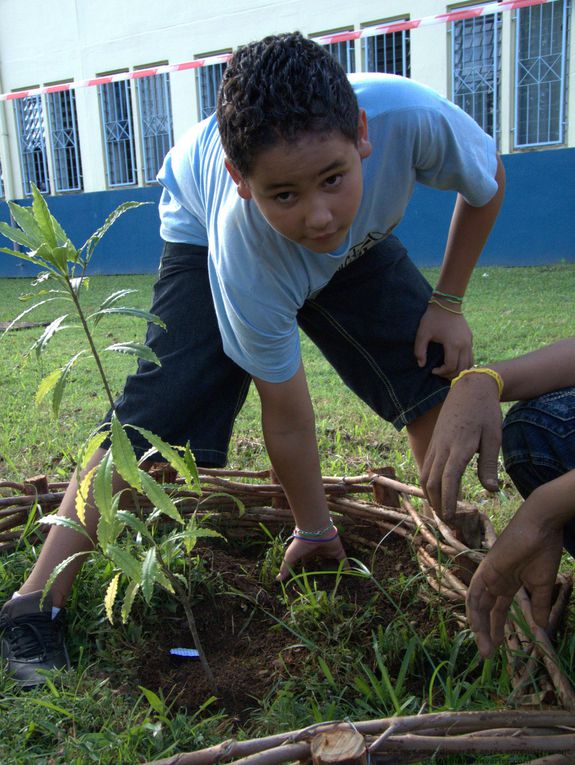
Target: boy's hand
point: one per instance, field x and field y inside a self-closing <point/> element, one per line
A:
<point x="451" y="331"/>
<point x="302" y="550"/>
<point x="527" y="553"/>
<point x="469" y="422"/>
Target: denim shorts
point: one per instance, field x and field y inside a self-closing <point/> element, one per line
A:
<point x="364" y="321"/>
<point x="539" y="444"/>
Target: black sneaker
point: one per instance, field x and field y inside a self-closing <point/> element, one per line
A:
<point x="30" y="640"/>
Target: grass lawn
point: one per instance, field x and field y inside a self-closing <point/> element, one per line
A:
<point x="100" y="714"/>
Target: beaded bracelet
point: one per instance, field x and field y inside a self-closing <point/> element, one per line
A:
<point x="303" y="534"/>
<point x="482" y="371"/>
<point x="434" y="301"/>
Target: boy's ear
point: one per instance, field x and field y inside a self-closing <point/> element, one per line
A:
<point x="363" y="143"/>
<point x="239" y="180"/>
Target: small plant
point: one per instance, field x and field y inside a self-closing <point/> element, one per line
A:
<point x="142" y="556"/>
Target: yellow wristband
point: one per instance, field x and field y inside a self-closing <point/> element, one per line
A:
<point x="482" y="371"/>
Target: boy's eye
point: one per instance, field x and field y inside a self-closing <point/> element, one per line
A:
<point x="284" y="196"/>
<point x="333" y="180"/>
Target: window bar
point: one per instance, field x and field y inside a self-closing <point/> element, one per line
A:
<point x="118" y="133"/>
<point x="64" y="139"/>
<point x="30" y="126"/>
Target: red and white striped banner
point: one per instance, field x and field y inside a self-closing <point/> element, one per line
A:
<point x="397" y="26"/>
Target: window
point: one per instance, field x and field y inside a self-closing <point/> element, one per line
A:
<point x="540" y="74"/>
<point x="476" y="69"/>
<point x="118" y="133"/>
<point x="30" y="126"/>
<point x="209" y="78"/>
<point x="64" y="142"/>
<point x="155" y="122"/>
<point x="344" y="54"/>
<point x="387" y="53"/>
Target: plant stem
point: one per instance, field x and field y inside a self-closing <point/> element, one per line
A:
<point x="182" y="596"/>
<point x="93" y="348"/>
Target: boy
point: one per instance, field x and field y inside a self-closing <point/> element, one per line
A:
<point x="538" y="438"/>
<point x="276" y="215"/>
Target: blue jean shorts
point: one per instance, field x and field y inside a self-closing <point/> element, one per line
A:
<point x="539" y="444"/>
<point x="364" y="321"/>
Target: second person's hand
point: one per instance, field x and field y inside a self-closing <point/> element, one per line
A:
<point x="301" y="550"/>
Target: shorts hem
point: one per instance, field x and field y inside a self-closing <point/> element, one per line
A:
<point x="407" y="416"/>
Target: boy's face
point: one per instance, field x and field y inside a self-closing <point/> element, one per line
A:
<point x="310" y="190"/>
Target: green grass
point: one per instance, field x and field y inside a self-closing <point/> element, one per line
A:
<point x="94" y="716"/>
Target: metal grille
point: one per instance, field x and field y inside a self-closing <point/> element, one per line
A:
<point x="156" y="122"/>
<point x="209" y="78"/>
<point x="387" y="53"/>
<point x="64" y="141"/>
<point x="476" y="69"/>
<point x="344" y="54"/>
<point x="30" y="125"/>
<point x="540" y="74"/>
<point x="118" y="133"/>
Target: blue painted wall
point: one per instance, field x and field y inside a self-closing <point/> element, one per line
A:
<point x="535" y="225"/>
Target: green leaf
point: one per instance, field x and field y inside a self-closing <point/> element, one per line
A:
<point x="125" y="460"/>
<point x="158" y="497"/>
<point x="57" y="570"/>
<point x="102" y="487"/>
<point x="154" y="701"/>
<point x="54" y="326"/>
<point x="24" y="217"/>
<point x="122" y="559"/>
<point x="30" y="257"/>
<point x="135" y="523"/>
<point x="149" y="567"/>
<point x="27" y="311"/>
<point x="131" y="592"/>
<point x="110" y="598"/>
<point x="109" y="529"/>
<point x="61" y="383"/>
<point x="91" y="243"/>
<point x="97" y="316"/>
<point x="140" y="350"/>
<point x="89" y="447"/>
<point x="16" y="235"/>
<point x="69" y="523"/>
<point x="43" y="217"/>
<point x="181" y="465"/>
<point x="47" y="384"/>
<point x="115" y="296"/>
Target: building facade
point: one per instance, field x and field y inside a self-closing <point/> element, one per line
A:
<point x="90" y="146"/>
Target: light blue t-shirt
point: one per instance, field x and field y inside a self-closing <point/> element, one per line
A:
<point x="259" y="278"/>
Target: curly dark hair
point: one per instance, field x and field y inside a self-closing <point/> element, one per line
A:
<point x="278" y="88"/>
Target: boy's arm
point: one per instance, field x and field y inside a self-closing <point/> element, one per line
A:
<point x="289" y="431"/>
<point x="527" y="553"/>
<point x="470" y="419"/>
<point x="468" y="232"/>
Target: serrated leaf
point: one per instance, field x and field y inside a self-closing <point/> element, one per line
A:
<point x="158" y="497"/>
<point x="82" y="495"/>
<point x="125" y="460"/>
<point x="110" y="528"/>
<point x="103" y="489"/>
<point x="48" y="334"/>
<point x="149" y="567"/>
<point x="89" y="447"/>
<point x="138" y="313"/>
<point x="118" y="295"/>
<point x="182" y="466"/>
<point x="16" y="235"/>
<point x="57" y="570"/>
<point x="91" y="243"/>
<point x="141" y="350"/>
<point x="129" y="596"/>
<point x="133" y="522"/>
<point x="43" y="217"/>
<point x="190" y="461"/>
<point x="122" y="559"/>
<point x="47" y="384"/>
<point x="110" y="599"/>
<point x="27" y="311"/>
<point x="25" y="219"/>
<point x="61" y="520"/>
<point x="30" y="257"/>
<point x="61" y="383"/>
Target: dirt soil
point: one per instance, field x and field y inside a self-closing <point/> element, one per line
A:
<point x="244" y="646"/>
